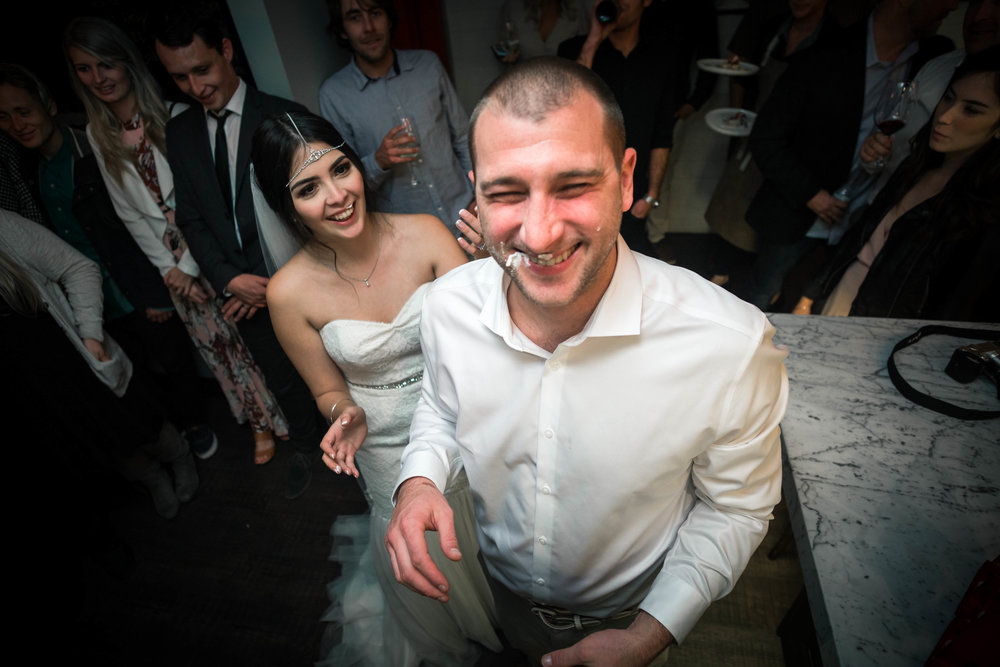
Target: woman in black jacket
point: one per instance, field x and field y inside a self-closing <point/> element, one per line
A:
<point x="929" y="245"/>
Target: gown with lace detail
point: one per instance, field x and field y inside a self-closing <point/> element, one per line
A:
<point x="373" y="619"/>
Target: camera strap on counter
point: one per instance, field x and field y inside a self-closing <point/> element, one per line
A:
<point x="926" y="400"/>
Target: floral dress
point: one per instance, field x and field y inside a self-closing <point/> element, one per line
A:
<point x="217" y="340"/>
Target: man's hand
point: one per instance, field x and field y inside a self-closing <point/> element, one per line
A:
<point x="803" y="307"/>
<point x="397" y="147"/>
<point x="685" y="111"/>
<point x="875" y="146"/>
<point x="250" y="289"/>
<point x="640" y="209"/>
<point x="158" y="316"/>
<point x="598" y="33"/>
<point x="235" y="310"/>
<point x="829" y="209"/>
<point x="421" y="507"/>
<point x="635" y="647"/>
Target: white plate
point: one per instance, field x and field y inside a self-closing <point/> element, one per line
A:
<point x="722" y="66"/>
<point x="716" y="119"/>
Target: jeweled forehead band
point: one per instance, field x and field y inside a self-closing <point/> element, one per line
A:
<point x="313" y="153"/>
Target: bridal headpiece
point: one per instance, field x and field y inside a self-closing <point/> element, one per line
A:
<point x="313" y="153"/>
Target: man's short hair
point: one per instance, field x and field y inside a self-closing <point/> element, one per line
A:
<point x="536" y="87"/>
<point x="336" y="25"/>
<point x="177" y="26"/>
<point x="23" y="78"/>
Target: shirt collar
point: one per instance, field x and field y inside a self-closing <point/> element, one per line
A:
<point x="618" y="313"/>
<point x="871" y="55"/>
<point x="235" y="103"/>
<point x="400" y="63"/>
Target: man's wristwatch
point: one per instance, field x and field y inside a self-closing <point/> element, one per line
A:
<point x="652" y="201"/>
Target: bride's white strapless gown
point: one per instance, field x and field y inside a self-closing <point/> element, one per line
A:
<point x="373" y="619"/>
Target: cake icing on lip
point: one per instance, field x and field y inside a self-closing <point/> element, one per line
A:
<point x="517" y="257"/>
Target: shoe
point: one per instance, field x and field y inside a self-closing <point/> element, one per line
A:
<point x="185" y="477"/>
<point x="162" y="489"/>
<point x="298" y="476"/>
<point x="202" y="441"/>
<point x="263" y="447"/>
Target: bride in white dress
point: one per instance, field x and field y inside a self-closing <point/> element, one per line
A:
<point x="346" y="308"/>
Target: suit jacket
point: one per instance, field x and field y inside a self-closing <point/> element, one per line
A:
<point x="201" y="207"/>
<point x="803" y="139"/>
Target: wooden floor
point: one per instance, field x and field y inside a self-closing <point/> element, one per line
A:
<point x="238" y="577"/>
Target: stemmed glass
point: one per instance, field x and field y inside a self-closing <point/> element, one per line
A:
<point x="509" y="45"/>
<point x="891" y="113"/>
<point x="410" y="129"/>
<point x="893" y="110"/>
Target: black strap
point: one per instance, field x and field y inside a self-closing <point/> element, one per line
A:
<point x="222" y="160"/>
<point x="925" y="400"/>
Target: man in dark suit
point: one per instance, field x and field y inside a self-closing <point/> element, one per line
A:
<point x="209" y="151"/>
<point x="807" y="134"/>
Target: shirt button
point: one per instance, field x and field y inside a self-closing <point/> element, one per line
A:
<point x="549" y="433"/>
<point x="555" y="365"/>
<point x="546" y="490"/>
<point x="430" y="185"/>
<point x="542" y="540"/>
<point x="540" y="581"/>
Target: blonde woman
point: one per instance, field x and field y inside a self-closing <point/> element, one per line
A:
<point x="126" y="128"/>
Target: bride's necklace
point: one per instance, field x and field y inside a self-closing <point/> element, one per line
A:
<point x="378" y="256"/>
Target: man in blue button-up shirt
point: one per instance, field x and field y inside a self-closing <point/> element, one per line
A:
<point x="420" y="169"/>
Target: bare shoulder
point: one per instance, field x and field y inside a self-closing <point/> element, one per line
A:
<point x="427" y="236"/>
<point x="286" y="286"/>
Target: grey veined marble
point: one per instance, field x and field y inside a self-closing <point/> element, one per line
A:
<point x="894" y="507"/>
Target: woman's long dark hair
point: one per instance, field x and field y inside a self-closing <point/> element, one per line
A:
<point x="972" y="195"/>
<point x="277" y="145"/>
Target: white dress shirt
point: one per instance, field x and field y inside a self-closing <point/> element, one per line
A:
<point x="637" y="463"/>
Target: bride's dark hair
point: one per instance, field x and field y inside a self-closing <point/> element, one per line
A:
<point x="276" y="145"/>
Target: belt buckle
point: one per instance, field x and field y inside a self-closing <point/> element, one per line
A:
<point x="556" y="619"/>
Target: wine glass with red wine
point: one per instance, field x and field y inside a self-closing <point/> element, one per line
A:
<point x="893" y="109"/>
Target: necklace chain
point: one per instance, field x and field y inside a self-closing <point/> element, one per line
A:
<point x="378" y="256"/>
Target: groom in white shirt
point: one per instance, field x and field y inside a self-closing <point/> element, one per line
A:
<point x="617" y="417"/>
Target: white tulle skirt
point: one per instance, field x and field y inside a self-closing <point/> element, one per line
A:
<point x="373" y="621"/>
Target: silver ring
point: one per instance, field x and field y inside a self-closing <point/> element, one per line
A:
<point x="482" y="246"/>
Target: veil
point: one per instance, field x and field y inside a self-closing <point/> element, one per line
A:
<point x="277" y="243"/>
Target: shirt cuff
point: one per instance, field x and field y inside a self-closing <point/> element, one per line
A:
<point x="422" y="464"/>
<point x="675" y="604"/>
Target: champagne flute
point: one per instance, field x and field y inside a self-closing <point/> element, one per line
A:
<point x="410" y="129"/>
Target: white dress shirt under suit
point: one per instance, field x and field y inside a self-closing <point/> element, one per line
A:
<point x="638" y="463"/>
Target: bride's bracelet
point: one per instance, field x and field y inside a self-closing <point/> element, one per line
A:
<point x="335" y="407"/>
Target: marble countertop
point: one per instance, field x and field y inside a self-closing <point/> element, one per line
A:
<point x="894" y="507"/>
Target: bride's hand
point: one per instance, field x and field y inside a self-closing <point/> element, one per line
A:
<point x="343" y="439"/>
<point x="472" y="240"/>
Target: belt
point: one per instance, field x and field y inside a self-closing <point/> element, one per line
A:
<point x="563" y="619"/>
